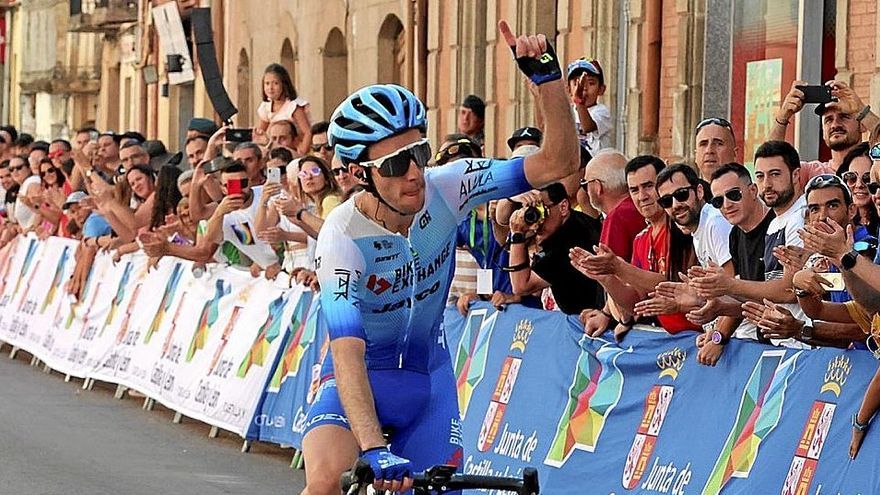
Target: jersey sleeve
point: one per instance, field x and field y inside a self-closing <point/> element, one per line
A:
<point x="339" y="265"/>
<point x="469" y="182"/>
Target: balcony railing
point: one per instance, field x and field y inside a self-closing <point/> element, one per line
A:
<point x="101" y="15"/>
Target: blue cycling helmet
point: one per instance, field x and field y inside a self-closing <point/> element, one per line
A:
<point x="371" y="114"/>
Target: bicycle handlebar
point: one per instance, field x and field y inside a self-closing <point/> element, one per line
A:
<point x="441" y="479"/>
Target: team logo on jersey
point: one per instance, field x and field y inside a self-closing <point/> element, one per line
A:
<point x="476" y="165"/>
<point x="382" y="244"/>
<point x="424" y="220"/>
<point x="594" y="392"/>
<point x="377" y="285"/>
<point x="809" y="448"/>
<point x="759" y="411"/>
<point x="656" y="406"/>
<point x="504" y="386"/>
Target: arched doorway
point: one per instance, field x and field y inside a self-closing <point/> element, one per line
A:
<point x="392" y="53"/>
<point x="288" y="59"/>
<point x="243" y="78"/>
<point x="335" y="71"/>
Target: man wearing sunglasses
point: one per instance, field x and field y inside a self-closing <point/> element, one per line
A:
<point x="777" y="168"/>
<point x="682" y="196"/>
<point x="320" y="145"/>
<point x="384" y="262"/>
<point x="736" y="197"/>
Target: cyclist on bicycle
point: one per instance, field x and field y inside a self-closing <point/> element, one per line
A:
<point x="385" y="260"/>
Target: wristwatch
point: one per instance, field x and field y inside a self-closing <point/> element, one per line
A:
<point x="517" y="238"/>
<point x="863" y="113"/>
<point x="719" y="339"/>
<point x="848" y="261"/>
<point x="859" y="426"/>
<point x="806" y="333"/>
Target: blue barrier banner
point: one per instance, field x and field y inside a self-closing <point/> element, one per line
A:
<point x="641" y="416"/>
<point x="281" y="415"/>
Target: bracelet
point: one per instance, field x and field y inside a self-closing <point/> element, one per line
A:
<point x="863" y="113"/>
<point x="516" y="268"/>
<point x="299" y="214"/>
<point x="859" y="426"/>
<point x="802" y="293"/>
<point x="607" y="314"/>
<point x="783" y="124"/>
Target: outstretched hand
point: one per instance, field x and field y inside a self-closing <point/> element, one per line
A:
<point x="534" y="55"/>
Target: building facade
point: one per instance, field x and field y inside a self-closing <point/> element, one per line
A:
<point x="668" y="63"/>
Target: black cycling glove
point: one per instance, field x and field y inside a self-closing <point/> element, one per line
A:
<point x="542" y="69"/>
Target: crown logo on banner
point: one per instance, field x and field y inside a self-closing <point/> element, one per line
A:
<point x="521" y="335"/>
<point x="836" y="374"/>
<point x="671" y="362"/>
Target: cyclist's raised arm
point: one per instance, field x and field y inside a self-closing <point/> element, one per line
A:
<point x="559" y="155"/>
<point x="339" y="265"/>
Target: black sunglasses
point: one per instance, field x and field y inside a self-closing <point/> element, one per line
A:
<point x="681" y="195"/>
<point x="339" y="171"/>
<point x="872" y="187"/>
<point x="713" y="121"/>
<point x="318" y="147"/>
<point x="16" y="169"/>
<point x="397" y="163"/>
<point x="735" y="195"/>
<point x="851" y="177"/>
<point x="463" y="148"/>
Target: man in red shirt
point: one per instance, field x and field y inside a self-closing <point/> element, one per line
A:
<point x="605" y="183"/>
<point x="652" y="260"/>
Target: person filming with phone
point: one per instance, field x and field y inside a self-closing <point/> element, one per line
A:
<point x="234" y="219"/>
<point x="844" y="117"/>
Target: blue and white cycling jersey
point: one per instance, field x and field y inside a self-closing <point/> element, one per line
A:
<point x="390" y="290"/>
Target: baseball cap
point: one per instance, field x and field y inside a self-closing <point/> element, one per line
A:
<point x="524" y="151"/>
<point x="525" y="134"/>
<point x="74" y="198"/>
<point x="203" y="126"/>
<point x="589" y="66"/>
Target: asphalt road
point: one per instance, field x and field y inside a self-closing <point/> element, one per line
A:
<point x="56" y="438"/>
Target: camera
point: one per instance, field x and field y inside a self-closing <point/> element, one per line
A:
<point x="239" y="135"/>
<point x="534" y="214"/>
<point x="217" y="164"/>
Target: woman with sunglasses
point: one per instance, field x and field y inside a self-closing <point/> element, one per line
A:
<point x="855" y="170"/>
<point x="53" y="189"/>
<point x="384" y="263"/>
<point x="25" y="213"/>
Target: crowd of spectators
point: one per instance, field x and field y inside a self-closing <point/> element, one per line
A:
<point x="782" y="252"/>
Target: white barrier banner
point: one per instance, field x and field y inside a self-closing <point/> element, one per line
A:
<point x="202" y="346"/>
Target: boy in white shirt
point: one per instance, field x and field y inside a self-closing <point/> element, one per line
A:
<point x="586" y="83"/>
